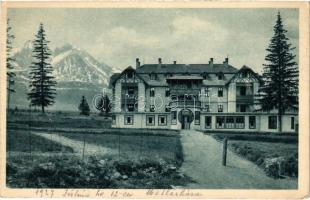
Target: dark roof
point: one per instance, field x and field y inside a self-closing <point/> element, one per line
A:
<point x="246" y="68"/>
<point x="183" y="68"/>
<point x="113" y="78"/>
<point x="188" y="77"/>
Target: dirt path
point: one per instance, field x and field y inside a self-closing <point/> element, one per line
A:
<point x="77" y="146"/>
<point x="203" y="163"/>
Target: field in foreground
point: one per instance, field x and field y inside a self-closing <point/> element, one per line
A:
<point x="45" y="152"/>
<point x="277" y="155"/>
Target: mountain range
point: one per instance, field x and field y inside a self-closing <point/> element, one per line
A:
<point x="77" y="73"/>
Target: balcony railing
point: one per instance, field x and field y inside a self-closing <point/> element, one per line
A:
<point x="180" y="103"/>
<point x="245" y="99"/>
<point x="180" y="91"/>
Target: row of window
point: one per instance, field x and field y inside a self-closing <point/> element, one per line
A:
<point x="153" y="76"/>
<point x="207" y="92"/>
<point x="222" y="122"/>
<point x="230" y="122"/>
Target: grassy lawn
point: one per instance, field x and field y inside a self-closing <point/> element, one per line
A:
<point x="277" y="155"/>
<point x="19" y="141"/>
<point x="147" y="158"/>
<point x="135" y="146"/>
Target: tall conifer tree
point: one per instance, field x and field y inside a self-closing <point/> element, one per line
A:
<point x="42" y="83"/>
<point x="9" y="63"/>
<point x="280" y="75"/>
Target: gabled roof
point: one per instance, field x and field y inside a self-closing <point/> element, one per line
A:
<point x="183" y="68"/>
<point x="245" y="68"/>
<point x="116" y="76"/>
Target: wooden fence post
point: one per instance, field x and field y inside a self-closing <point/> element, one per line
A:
<point x="83" y="147"/>
<point x="224" y="151"/>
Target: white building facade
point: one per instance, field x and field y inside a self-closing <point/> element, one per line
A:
<point x="215" y="97"/>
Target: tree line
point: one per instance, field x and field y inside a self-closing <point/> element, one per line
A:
<point x="279" y="89"/>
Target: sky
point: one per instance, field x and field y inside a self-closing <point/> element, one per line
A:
<point x="117" y="36"/>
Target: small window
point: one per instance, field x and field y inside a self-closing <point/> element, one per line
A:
<point x="292" y="123"/>
<point x="220" y="122"/>
<point x="128" y="119"/>
<point x="129" y="75"/>
<point x="162" y="120"/>
<point x="220" y="76"/>
<point x="220" y="108"/>
<point x="152" y="108"/>
<point x="113" y="119"/>
<point x="150" y="120"/>
<point x="243" y="107"/>
<point x="220" y="92"/>
<point x="152" y="92"/>
<point x="167" y="92"/>
<point x="244" y="74"/>
<point x="153" y="76"/>
<point x="207" y="91"/>
<point x="167" y="108"/>
<point x="197" y="117"/>
<point x="272" y="122"/>
<point x="252" y="122"/>
<point x="208" y="122"/>
<point x="174" y="117"/>
<point x="239" y="122"/>
<point x="230" y="122"/>
<point x="207" y="107"/>
<point x="242" y="90"/>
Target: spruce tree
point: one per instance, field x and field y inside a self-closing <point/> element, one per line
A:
<point x="84" y="107"/>
<point x="103" y="105"/>
<point x="42" y="83"/>
<point x="280" y="75"/>
<point x="9" y="63"/>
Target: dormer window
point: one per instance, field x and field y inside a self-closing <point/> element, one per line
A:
<point x="220" y="76"/>
<point x="153" y="76"/>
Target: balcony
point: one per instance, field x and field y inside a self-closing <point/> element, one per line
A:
<point x="249" y="99"/>
<point x="179" y="104"/>
<point x="180" y="91"/>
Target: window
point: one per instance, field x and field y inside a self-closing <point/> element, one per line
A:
<point x="220" y="76"/>
<point x="242" y="108"/>
<point x="252" y="122"/>
<point x="272" y="122"/>
<point x="197" y="117"/>
<point x="207" y="91"/>
<point x="150" y="120"/>
<point x="242" y="90"/>
<point x="220" y="122"/>
<point x="220" y="108"/>
<point x="174" y="117"/>
<point x="130" y="91"/>
<point x="153" y="76"/>
<point x="162" y="120"/>
<point x="152" y="108"/>
<point x="230" y="122"/>
<point x="128" y="119"/>
<point x="113" y="119"/>
<point x="207" y="108"/>
<point x="167" y="108"/>
<point x="220" y="92"/>
<point x="244" y="74"/>
<point x="130" y="107"/>
<point x="208" y="122"/>
<point x="129" y="75"/>
<point x="152" y="92"/>
<point x="239" y="122"/>
<point x="167" y="92"/>
<point x="292" y="123"/>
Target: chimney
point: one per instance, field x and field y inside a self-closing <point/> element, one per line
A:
<point x="137" y="63"/>
<point x="211" y="62"/>
<point x="159" y="62"/>
<point x="175" y="62"/>
<point x="226" y="61"/>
